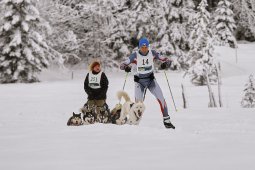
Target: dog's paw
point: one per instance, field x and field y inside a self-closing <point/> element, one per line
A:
<point x="121" y="121"/>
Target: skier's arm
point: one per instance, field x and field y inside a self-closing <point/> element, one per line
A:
<point x="157" y="56"/>
<point x="131" y="59"/>
<point x="86" y="85"/>
<point x="166" y="62"/>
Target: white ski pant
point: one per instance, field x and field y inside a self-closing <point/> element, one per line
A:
<point x="154" y="88"/>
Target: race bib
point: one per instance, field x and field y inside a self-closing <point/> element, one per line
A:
<point x="94" y="80"/>
<point x="145" y="63"/>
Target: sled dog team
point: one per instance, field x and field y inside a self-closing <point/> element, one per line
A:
<point x="127" y="113"/>
<point x="130" y="112"/>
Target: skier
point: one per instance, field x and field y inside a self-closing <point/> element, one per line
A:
<point x="144" y="76"/>
<point x="96" y="86"/>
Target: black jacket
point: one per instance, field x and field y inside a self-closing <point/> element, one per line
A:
<point x="96" y="94"/>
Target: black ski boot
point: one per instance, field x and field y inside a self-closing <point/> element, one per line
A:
<point x="168" y="123"/>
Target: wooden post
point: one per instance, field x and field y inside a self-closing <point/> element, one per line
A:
<point x="219" y="84"/>
<point x="212" y="102"/>
<point x="184" y="97"/>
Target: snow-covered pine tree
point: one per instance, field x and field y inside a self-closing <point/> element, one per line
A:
<point x="113" y="42"/>
<point x="103" y="17"/>
<point x="248" y="100"/>
<point x="224" y="25"/>
<point x="69" y="47"/>
<point x="143" y="16"/>
<point x="211" y="4"/>
<point x="244" y="11"/>
<point x="69" y="3"/>
<point x="173" y="34"/>
<point x="83" y="29"/>
<point x="22" y="48"/>
<point x="116" y="34"/>
<point x="201" y="59"/>
<point x="131" y="20"/>
<point x="1" y="12"/>
<point x="93" y="23"/>
<point x="66" y="25"/>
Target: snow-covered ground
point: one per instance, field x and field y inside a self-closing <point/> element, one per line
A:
<point x="34" y="135"/>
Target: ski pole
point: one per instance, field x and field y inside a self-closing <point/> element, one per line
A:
<point x="124" y="84"/>
<point x="125" y="81"/>
<point x="170" y="90"/>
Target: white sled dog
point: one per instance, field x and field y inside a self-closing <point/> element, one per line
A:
<point x="131" y="113"/>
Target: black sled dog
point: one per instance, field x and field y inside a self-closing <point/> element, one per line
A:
<point x="75" y="120"/>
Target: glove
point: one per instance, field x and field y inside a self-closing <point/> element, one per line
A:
<point x="127" y="69"/>
<point x="151" y="76"/>
<point x="165" y="65"/>
<point x="136" y="79"/>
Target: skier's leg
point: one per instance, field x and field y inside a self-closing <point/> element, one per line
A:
<point x="139" y="91"/>
<point x="157" y="92"/>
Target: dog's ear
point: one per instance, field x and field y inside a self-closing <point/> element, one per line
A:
<point x="73" y="113"/>
<point x="79" y="114"/>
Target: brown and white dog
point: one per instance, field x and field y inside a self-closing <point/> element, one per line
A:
<point x="131" y="112"/>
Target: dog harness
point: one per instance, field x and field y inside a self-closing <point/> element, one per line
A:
<point x="94" y="80"/>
